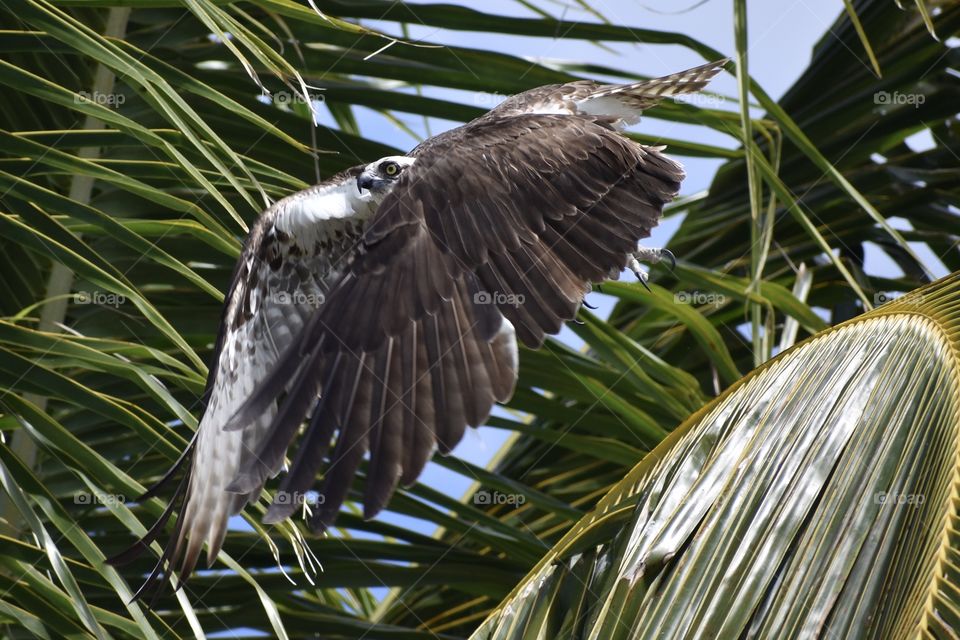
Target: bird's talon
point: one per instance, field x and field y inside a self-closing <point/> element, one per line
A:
<point x="649" y="255"/>
<point x="666" y="253"/>
<point x="638" y="271"/>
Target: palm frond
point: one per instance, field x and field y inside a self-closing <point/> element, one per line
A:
<point x="813" y="496"/>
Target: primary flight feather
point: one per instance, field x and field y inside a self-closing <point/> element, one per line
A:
<point x="384" y="305"/>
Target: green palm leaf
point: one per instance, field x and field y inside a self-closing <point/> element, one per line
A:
<point x="121" y="220"/>
<point x="814" y="497"/>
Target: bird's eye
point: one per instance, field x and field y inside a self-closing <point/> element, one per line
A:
<point x="390" y="168"/>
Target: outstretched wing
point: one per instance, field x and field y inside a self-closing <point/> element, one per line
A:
<point x="294" y="250"/>
<point x="498" y="225"/>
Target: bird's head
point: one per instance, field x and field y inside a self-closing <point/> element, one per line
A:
<point x="378" y="177"/>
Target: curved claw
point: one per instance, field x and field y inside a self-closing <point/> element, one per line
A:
<point x="587" y="305"/>
<point x="666" y="253"/>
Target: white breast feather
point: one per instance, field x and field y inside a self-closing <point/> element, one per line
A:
<point x="314" y="206"/>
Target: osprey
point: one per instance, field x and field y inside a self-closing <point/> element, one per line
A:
<point x="385" y="304"/>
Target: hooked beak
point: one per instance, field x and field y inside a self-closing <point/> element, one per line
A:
<point x="364" y="181"/>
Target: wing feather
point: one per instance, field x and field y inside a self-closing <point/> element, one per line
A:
<point x="421" y="411"/>
<point x="279" y="281"/>
<point x="386" y="463"/>
<point x="496" y="231"/>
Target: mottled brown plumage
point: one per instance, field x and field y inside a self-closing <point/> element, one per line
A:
<point x="432" y="261"/>
<point x="487" y="233"/>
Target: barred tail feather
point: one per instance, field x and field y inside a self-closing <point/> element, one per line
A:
<point x="689" y="81"/>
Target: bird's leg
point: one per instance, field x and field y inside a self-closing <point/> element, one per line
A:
<point x="650" y="255"/>
<point x="653" y="255"/>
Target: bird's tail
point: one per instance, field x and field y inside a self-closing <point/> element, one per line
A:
<point x="214" y="456"/>
<point x="209" y="505"/>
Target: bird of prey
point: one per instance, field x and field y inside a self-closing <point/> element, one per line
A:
<point x="385" y="304"/>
